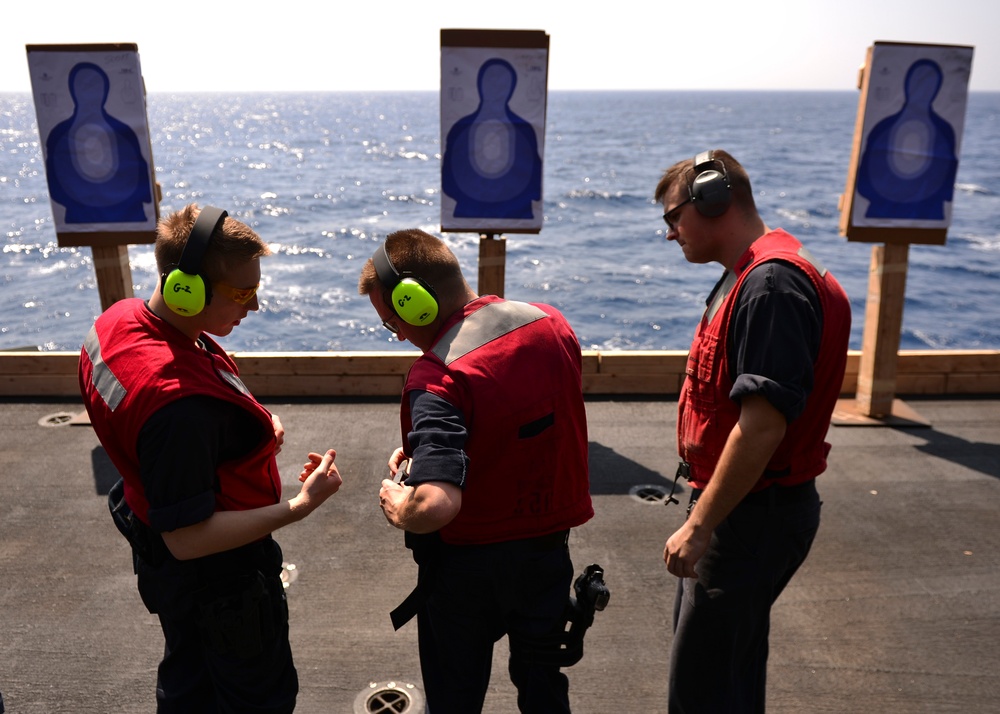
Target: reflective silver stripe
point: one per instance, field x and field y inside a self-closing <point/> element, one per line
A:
<point x="806" y="255"/>
<point x="720" y="295"/>
<point x="103" y="379"/>
<point x="484" y="325"/>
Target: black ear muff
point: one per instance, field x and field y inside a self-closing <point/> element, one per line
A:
<point x="711" y="192"/>
<point x="184" y="290"/>
<point x="412" y="299"/>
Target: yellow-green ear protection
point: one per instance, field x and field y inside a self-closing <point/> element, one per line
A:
<point x="412" y="299"/>
<point x="183" y="289"/>
<point x="711" y="192"/>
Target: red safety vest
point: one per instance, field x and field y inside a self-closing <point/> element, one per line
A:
<point x="133" y="364"/>
<point x="513" y="370"/>
<point x="706" y="414"/>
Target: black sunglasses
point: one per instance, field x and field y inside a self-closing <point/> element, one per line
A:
<point x="670" y="217"/>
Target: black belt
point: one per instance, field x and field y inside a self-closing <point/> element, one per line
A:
<point x="778" y="492"/>
<point x="550" y="541"/>
<point x="773" y="493"/>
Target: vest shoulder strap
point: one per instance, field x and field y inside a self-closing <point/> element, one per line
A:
<point x="484" y="325"/>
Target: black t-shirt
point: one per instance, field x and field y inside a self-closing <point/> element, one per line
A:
<point x="179" y="448"/>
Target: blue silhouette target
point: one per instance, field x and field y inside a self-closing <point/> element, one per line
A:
<point x="909" y="164"/>
<point x="491" y="165"/>
<point x="94" y="164"/>
<point x="493" y="99"/>
<point x="911" y="134"/>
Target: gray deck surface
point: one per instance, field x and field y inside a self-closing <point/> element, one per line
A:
<point x="896" y="610"/>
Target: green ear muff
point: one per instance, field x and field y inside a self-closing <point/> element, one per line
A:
<point x="413" y="302"/>
<point x="183" y="289"/>
<point x="184" y="293"/>
<point x="412" y="299"/>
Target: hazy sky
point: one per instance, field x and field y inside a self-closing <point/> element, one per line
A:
<point x="341" y="45"/>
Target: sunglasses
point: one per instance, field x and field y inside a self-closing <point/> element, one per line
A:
<point x="240" y="295"/>
<point x="671" y="216"/>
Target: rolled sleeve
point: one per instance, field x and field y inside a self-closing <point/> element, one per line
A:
<point x="437" y="441"/>
<point x="789" y="400"/>
<point x="182" y="514"/>
<point x="774" y="337"/>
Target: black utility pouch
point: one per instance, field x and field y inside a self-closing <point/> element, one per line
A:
<point x="145" y="543"/>
<point x="236" y="617"/>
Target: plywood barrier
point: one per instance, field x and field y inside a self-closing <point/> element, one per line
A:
<point x="364" y="374"/>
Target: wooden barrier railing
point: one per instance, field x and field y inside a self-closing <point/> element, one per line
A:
<point x="363" y="374"/>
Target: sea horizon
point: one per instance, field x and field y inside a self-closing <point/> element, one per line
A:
<point x="323" y="176"/>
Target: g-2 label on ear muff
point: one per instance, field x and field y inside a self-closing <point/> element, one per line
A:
<point x="184" y="289"/>
<point x="412" y="299"/>
<point x="711" y="193"/>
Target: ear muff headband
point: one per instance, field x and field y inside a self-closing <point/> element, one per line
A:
<point x="711" y="192"/>
<point x="183" y="289"/>
<point x="411" y="298"/>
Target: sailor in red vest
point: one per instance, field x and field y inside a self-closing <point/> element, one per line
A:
<point x="494" y="473"/>
<point x="763" y="375"/>
<point x="200" y="491"/>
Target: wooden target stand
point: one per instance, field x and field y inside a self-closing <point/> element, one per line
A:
<point x="875" y="403"/>
<point x="492" y="264"/>
<point x="111" y="265"/>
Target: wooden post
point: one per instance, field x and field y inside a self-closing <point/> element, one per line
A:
<point x="114" y="277"/>
<point x="875" y="400"/>
<point x="883" y="325"/>
<point x="492" y="264"/>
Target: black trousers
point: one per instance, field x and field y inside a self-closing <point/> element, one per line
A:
<point x="475" y="596"/>
<point x="225" y="624"/>
<point x="722" y="620"/>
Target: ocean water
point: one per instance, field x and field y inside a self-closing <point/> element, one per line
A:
<point x="324" y="177"/>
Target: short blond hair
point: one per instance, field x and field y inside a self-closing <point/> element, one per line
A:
<point x="234" y="245"/>
<point x="419" y="254"/>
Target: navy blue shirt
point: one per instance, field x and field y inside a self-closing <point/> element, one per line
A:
<point x="437" y="441"/>
<point x="774" y="337"/>
<point x="179" y="448"/>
